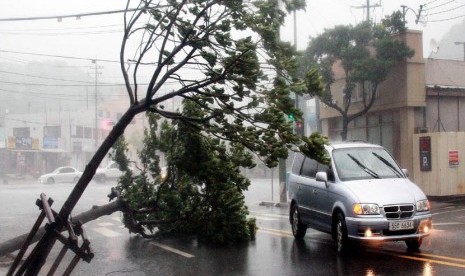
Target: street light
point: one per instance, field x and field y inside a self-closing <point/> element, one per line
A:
<point x="461" y="43"/>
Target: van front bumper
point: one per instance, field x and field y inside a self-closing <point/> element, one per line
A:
<point x="377" y="228"/>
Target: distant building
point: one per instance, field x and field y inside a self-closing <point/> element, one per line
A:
<point x="445" y="95"/>
<point x="398" y="112"/>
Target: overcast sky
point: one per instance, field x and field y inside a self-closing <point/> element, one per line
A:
<point x="100" y="36"/>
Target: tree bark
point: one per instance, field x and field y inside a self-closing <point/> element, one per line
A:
<point x="94" y="213"/>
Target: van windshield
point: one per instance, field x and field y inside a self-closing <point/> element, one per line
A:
<point x="365" y="163"/>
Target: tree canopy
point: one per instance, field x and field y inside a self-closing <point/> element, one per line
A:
<point x="199" y="191"/>
<point x="365" y="53"/>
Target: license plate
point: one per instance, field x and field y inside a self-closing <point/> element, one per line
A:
<point x="400" y="225"/>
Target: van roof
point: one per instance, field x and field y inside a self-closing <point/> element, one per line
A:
<point x="352" y="144"/>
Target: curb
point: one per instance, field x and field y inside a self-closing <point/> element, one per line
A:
<point x="274" y="204"/>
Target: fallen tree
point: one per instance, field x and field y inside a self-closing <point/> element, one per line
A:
<point x="224" y="56"/>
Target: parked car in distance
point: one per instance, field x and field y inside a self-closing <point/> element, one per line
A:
<point x="60" y="175"/>
<point x="109" y="172"/>
<point x="362" y="196"/>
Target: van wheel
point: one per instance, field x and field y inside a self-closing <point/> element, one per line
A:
<point x="341" y="240"/>
<point x="298" y="228"/>
<point x="413" y="244"/>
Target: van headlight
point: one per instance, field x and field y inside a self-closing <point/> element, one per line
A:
<point x="423" y="205"/>
<point x="366" y="209"/>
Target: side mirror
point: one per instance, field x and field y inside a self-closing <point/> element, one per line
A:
<point x="322" y="177"/>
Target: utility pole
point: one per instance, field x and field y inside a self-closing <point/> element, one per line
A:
<point x="417" y="15"/>
<point x="96" y="73"/>
<point x="368" y="6"/>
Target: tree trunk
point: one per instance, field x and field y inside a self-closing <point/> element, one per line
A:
<point x="94" y="213"/>
<point x="44" y="246"/>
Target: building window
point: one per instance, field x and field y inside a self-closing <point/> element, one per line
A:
<point x="88" y="132"/>
<point x="79" y="132"/>
<point x="365" y="88"/>
<point x="52" y="131"/>
<point x="21" y="132"/>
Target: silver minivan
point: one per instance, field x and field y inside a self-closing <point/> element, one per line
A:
<point x="363" y="195"/>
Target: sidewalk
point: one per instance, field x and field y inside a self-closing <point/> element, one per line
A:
<point x="445" y="201"/>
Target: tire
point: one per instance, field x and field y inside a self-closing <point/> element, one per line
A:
<point x="75" y="180"/>
<point x="298" y="228"/>
<point x="50" y="180"/>
<point x="341" y="240"/>
<point x="413" y="244"/>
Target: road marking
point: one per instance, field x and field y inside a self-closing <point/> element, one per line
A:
<point x="171" y="249"/>
<point x="448" y="223"/>
<point x="428" y="260"/>
<point x="442" y="257"/>
<point x="269" y="215"/>
<point x="423" y="257"/>
<point x="106" y="232"/>
<point x="105" y="224"/>
<point x="264" y="218"/>
<point x="118" y="219"/>
<point x="276" y="232"/>
<point x="445" y="212"/>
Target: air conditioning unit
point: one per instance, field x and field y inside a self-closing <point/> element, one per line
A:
<point x="421" y="130"/>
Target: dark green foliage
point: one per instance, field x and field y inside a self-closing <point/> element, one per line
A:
<point x="202" y="194"/>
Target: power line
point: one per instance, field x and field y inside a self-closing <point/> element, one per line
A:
<point x="60" y="29"/>
<point x="42" y="77"/>
<point x="447" y="10"/>
<point x="446" y="19"/>
<point x="430" y="2"/>
<point x="23" y="121"/>
<point x="57" y="56"/>
<point x="62" y="33"/>
<point x="78" y="16"/>
<point x="440" y="5"/>
<point x="62" y="85"/>
<point x="59" y="17"/>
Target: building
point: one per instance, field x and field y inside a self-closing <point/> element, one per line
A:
<point x="417" y="116"/>
<point x="40" y="142"/>
<point x="445" y="95"/>
<point x="398" y="112"/>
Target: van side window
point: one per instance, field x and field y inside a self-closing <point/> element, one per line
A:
<point x="309" y="168"/>
<point x="297" y="164"/>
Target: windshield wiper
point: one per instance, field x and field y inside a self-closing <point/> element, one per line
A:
<point x="365" y="169"/>
<point x="387" y="163"/>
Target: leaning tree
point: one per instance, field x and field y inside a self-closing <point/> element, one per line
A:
<point x="223" y="56"/>
<point x="365" y="53"/>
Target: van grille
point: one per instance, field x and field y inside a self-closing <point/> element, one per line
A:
<point x="398" y="211"/>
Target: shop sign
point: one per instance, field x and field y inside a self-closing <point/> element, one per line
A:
<point x="453" y="158"/>
<point x="23" y="142"/>
<point x="425" y="153"/>
<point x="50" y="143"/>
<point x="11" y="142"/>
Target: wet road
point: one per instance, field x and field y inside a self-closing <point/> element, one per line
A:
<point x="274" y="252"/>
